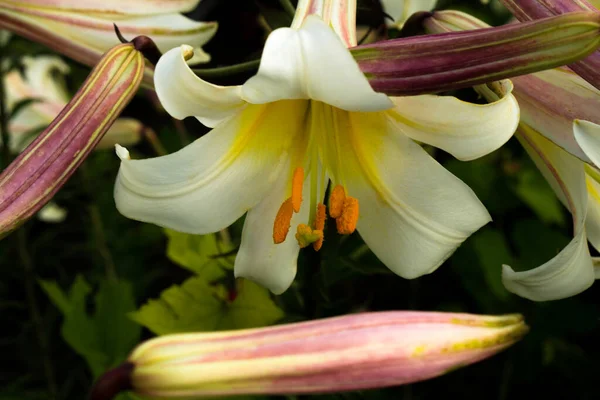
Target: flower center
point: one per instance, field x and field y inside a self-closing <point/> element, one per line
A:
<point x="344" y="209"/>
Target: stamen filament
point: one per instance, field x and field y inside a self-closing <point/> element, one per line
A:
<point x="320" y="225"/>
<point x="297" y="183"/>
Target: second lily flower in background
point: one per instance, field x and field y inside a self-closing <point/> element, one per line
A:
<point x="567" y="153"/>
<point x="83" y="30"/>
<point x="307" y="118"/>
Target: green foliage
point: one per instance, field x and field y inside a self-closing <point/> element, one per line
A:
<point x="204" y="255"/>
<point x="105" y="337"/>
<point x="198" y="306"/>
<point x="534" y="191"/>
<point x="211" y="300"/>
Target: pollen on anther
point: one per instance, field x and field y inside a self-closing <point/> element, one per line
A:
<point x="297" y="183"/>
<point x="336" y="201"/>
<point x="319" y="225"/>
<point x="283" y="219"/>
<point x="346" y="223"/>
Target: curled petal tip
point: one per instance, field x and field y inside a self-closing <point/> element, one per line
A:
<point x="187" y="52"/>
<point x="122" y="152"/>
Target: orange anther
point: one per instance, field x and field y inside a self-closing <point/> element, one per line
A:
<point x="336" y="201"/>
<point x="346" y="223"/>
<point x="319" y="225"/>
<point x="297" y="183"/>
<point x="281" y="226"/>
<point x="305" y="235"/>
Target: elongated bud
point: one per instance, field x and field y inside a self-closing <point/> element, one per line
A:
<point x="433" y="63"/>
<point x="549" y="100"/>
<point x="527" y="10"/>
<point x="367" y="350"/>
<point x="46" y="164"/>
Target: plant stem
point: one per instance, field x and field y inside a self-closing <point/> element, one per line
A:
<point x="4" y="116"/>
<point x="27" y="264"/>
<point x="98" y="228"/>
<point x="154" y="141"/>
<point x="21" y="245"/>
<point x="229" y="70"/>
<point x="184" y="137"/>
<point x="288" y="7"/>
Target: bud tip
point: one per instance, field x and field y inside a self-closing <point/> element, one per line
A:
<point x="113" y="382"/>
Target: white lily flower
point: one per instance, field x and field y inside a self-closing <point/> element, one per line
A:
<point x="401" y="10"/>
<point x="306" y="118"/>
<point x="83" y="29"/>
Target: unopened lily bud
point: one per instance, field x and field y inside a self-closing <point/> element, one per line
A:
<point x="434" y="63"/>
<point x="45" y="165"/>
<point x="360" y="351"/>
<point x="527" y="10"/>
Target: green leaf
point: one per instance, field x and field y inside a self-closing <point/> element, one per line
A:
<point x="492" y="250"/>
<point x="55" y="293"/>
<point x="197" y="305"/>
<point x="105" y="338"/>
<point x="534" y="191"/>
<point x="478" y="264"/>
<point x="117" y="333"/>
<point x="205" y="255"/>
<point x="536" y="243"/>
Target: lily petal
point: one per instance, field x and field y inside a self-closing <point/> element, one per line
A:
<point x="97" y="32"/>
<point x="401" y="10"/>
<point x="587" y="135"/>
<point x="86" y="36"/>
<point x="259" y="259"/>
<point x="52" y="213"/>
<point x="572" y="270"/>
<point x="465" y="130"/>
<point x="220" y="176"/>
<point x="116" y="6"/>
<point x="592" y="221"/>
<point x="183" y="94"/>
<point x="550" y="101"/>
<point x="40" y="75"/>
<point x="314" y="63"/>
<point x="413" y="212"/>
